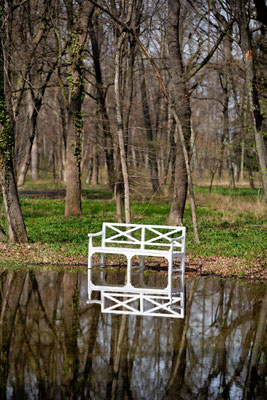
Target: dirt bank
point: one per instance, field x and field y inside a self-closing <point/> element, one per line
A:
<point x="40" y="255"/>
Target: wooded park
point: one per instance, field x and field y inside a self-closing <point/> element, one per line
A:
<point x="144" y="111"/>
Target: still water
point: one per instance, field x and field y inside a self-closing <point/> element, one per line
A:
<point x="53" y="345"/>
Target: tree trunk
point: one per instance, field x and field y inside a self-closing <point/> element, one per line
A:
<point x="172" y="155"/>
<point x="75" y="118"/>
<point x="152" y="157"/>
<point x="34" y="159"/>
<point x="35" y="102"/>
<point x="108" y="142"/>
<point x="63" y="138"/>
<point x="120" y="132"/>
<point x="179" y="189"/>
<point x="15" y="224"/>
<point x="252" y="91"/>
<point x="226" y="132"/>
<point x="225" y="78"/>
<point x="95" y="174"/>
<point x="73" y="173"/>
<point x="25" y="166"/>
<point x="182" y="106"/>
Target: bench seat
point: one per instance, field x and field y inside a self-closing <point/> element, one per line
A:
<point x="135" y="252"/>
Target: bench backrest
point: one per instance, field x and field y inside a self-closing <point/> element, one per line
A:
<point x="140" y="236"/>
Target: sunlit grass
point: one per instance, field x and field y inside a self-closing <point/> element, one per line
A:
<point x="232" y="223"/>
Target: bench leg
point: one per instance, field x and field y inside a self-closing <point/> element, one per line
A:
<point x="89" y="276"/>
<point x="182" y="269"/>
<point x="102" y="261"/>
<point x="129" y="268"/>
<point x="170" y="271"/>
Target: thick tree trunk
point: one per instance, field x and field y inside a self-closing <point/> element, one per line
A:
<point x="15" y="224"/>
<point x="73" y="175"/>
<point x="179" y="188"/>
<point x="182" y="106"/>
<point x="108" y="142"/>
<point x="75" y="118"/>
<point x="252" y="91"/>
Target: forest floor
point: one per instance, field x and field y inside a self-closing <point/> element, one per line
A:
<point x="232" y="229"/>
<point x="36" y="255"/>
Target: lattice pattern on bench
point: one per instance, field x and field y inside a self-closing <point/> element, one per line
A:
<point x="141" y="236"/>
<point x="143" y="304"/>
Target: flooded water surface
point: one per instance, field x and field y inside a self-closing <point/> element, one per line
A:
<point x="53" y="345"/>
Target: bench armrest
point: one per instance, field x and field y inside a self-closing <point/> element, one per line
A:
<point x="182" y="238"/>
<point x="91" y="235"/>
<point x="95" y="234"/>
<point x="178" y="238"/>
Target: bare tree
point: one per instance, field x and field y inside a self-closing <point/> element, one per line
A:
<point x="77" y="30"/>
<point x="15" y="224"/>
<point x="240" y="8"/>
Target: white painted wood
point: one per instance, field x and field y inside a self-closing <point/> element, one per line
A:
<point x="117" y="238"/>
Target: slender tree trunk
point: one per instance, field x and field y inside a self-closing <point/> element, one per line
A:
<point x="226" y="132"/>
<point x="63" y="138"/>
<point x="118" y="100"/>
<point x="35" y="104"/>
<point x="34" y="159"/>
<point x="225" y="78"/>
<point x="95" y="174"/>
<point x="152" y="157"/>
<point x="172" y="155"/>
<point x="90" y="172"/>
<point x="25" y="166"/>
<point x="250" y="171"/>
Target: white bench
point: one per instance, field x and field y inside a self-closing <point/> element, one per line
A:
<point x="133" y="240"/>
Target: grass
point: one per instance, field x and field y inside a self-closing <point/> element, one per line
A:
<point x="232" y="223"/>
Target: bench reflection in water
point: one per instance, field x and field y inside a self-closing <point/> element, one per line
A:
<point x="141" y="298"/>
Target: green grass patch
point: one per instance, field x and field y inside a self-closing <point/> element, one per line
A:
<point x="229" y="223"/>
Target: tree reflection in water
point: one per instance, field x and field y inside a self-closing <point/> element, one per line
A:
<point x="55" y="346"/>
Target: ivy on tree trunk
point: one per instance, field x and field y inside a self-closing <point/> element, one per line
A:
<point x="15" y="223"/>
